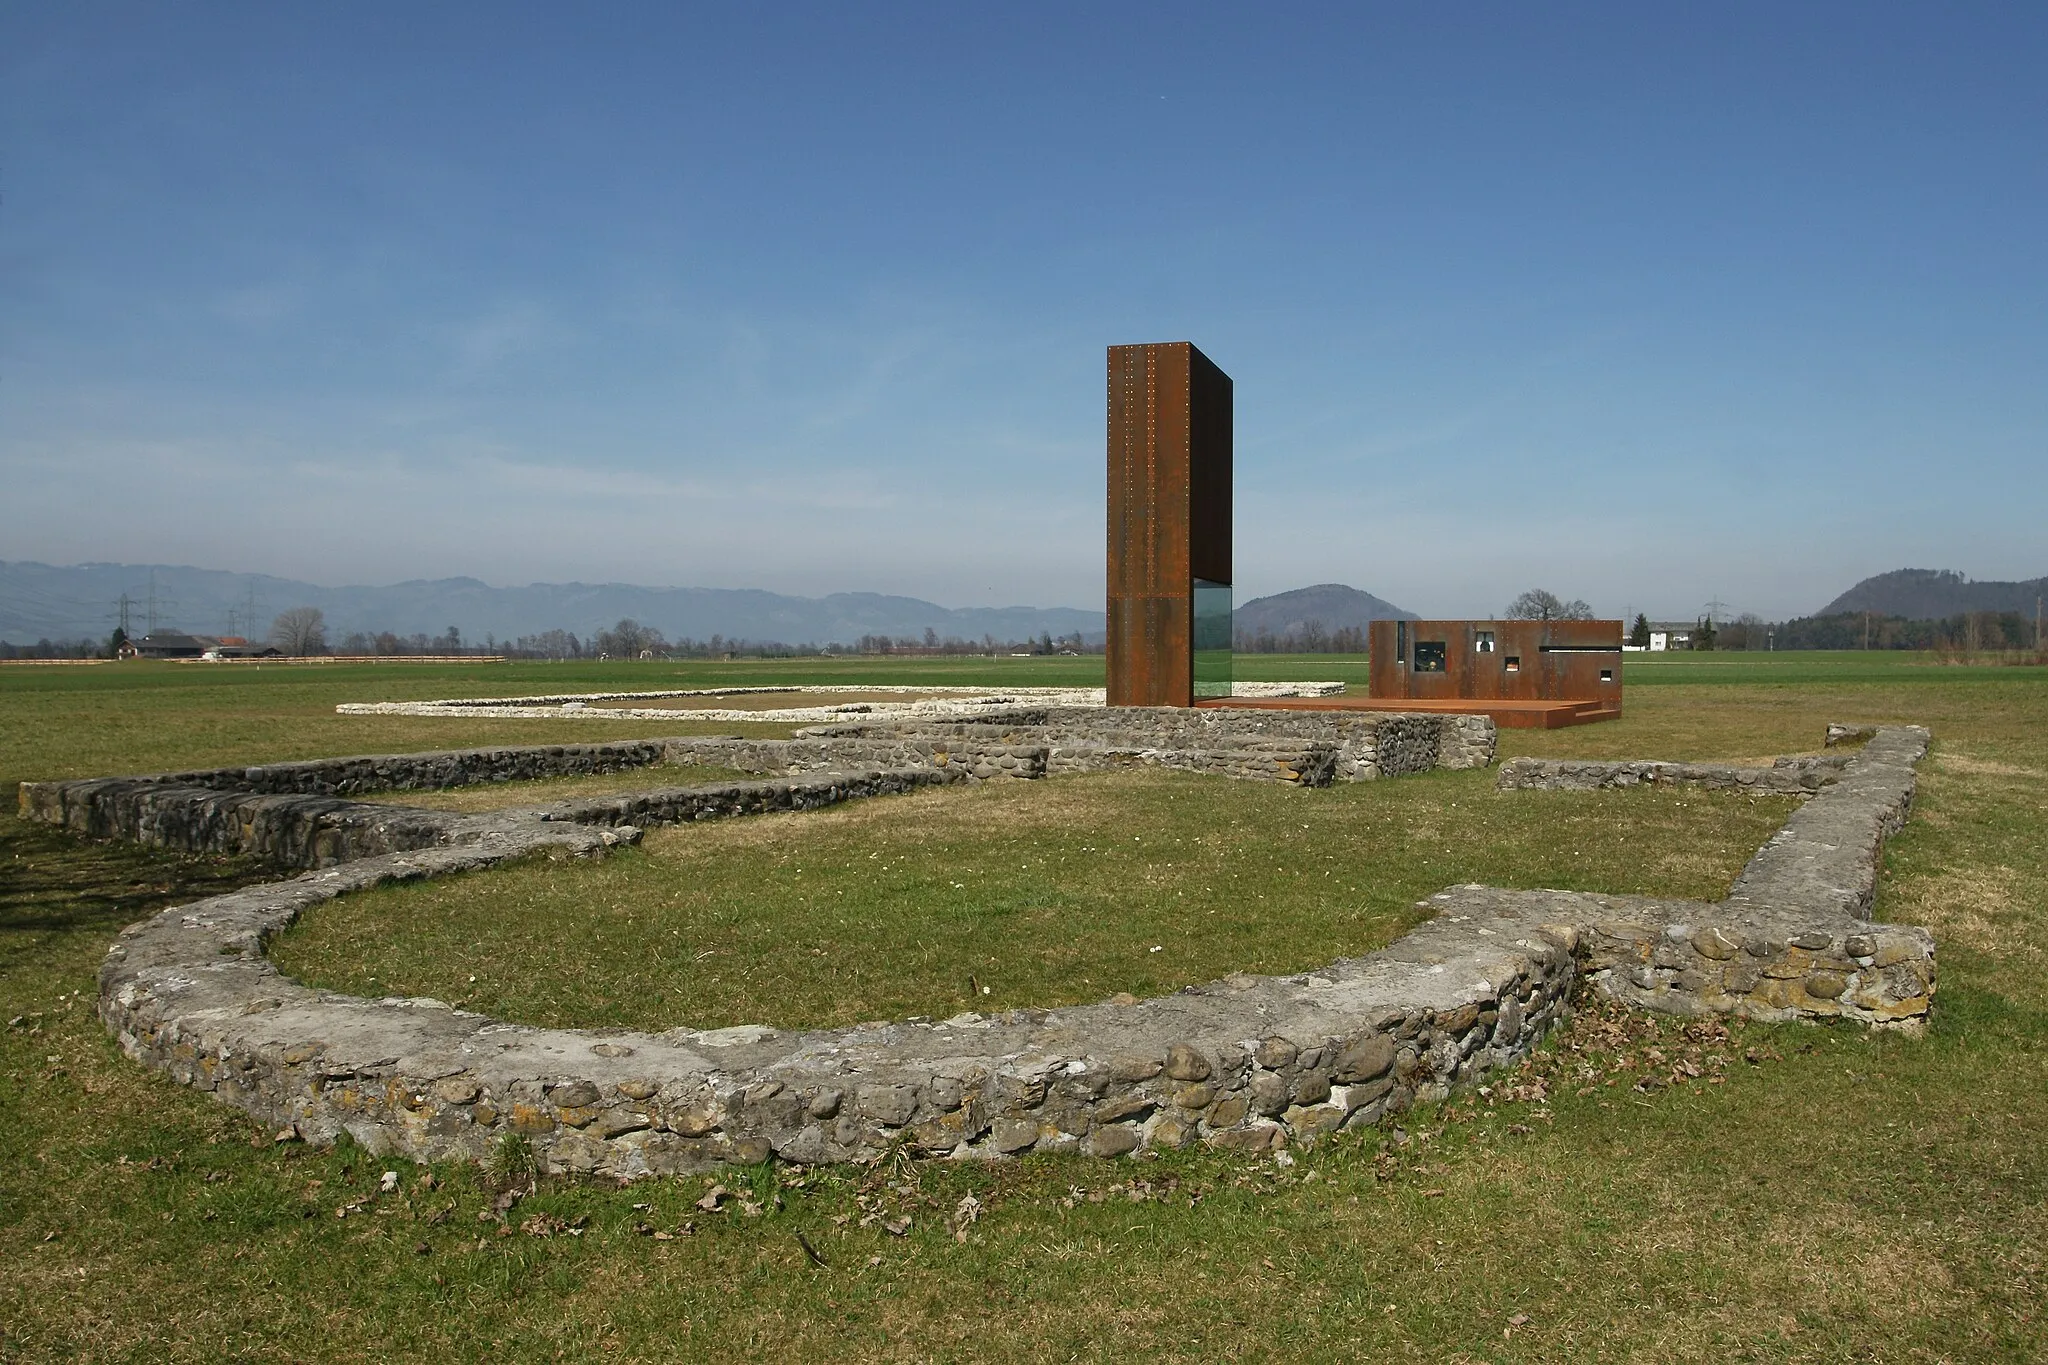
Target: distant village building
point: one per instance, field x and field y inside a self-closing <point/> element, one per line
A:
<point x="175" y="644"/>
<point x="1666" y="635"/>
<point x="171" y="644"/>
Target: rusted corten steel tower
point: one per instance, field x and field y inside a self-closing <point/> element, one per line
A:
<point x="1169" y="516"/>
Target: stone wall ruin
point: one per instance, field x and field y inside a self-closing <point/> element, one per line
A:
<point x="1247" y="1063"/>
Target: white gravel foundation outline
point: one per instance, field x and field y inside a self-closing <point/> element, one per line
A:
<point x="956" y="703"/>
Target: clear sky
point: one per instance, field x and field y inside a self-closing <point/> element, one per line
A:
<point x="1646" y="304"/>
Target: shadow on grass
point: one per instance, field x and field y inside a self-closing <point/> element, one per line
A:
<point x="1967" y="1018"/>
<point x="53" y="882"/>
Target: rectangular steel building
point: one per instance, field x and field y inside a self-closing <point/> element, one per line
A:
<point x="1500" y="661"/>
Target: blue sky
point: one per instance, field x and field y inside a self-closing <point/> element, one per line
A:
<point x="1649" y="305"/>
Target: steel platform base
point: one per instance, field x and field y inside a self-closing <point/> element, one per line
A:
<point x="1508" y="715"/>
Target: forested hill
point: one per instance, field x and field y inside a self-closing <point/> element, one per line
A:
<point x="1334" y="605"/>
<point x="1935" y="595"/>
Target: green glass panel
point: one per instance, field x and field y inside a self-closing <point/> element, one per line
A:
<point x="1212" y="638"/>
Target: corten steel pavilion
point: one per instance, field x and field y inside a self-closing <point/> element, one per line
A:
<point x="1169" y="607"/>
<point x="1535" y="675"/>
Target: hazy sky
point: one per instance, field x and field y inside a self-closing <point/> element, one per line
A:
<point x="1645" y="304"/>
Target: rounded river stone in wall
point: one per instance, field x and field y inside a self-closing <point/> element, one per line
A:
<point x="1183" y="1063"/>
<point x="1363" y="1060"/>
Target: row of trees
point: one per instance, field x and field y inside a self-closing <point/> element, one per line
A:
<point x="1971" y="633"/>
<point x="931" y="643"/>
<point x="302" y="632"/>
<point x="1965" y="636"/>
<point x="1540" y="604"/>
<point x="297" y="633"/>
<point x="629" y="639"/>
<point x="1312" y="638"/>
<point x="384" y="642"/>
<point x="46" y="648"/>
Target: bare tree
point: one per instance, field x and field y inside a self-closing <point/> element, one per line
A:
<point x="554" y="644"/>
<point x="299" y="632"/>
<point x="1538" y="604"/>
<point x="629" y="640"/>
<point x="1744" y="632"/>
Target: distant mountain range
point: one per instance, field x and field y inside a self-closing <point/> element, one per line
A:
<point x="38" y="601"/>
<point x="1934" y="595"/>
<point x="1336" y="606"/>
<point x="41" y="601"/>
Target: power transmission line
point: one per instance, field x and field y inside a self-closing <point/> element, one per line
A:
<point x="159" y="605"/>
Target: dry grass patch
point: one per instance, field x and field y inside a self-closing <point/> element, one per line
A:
<point x="1990" y="909"/>
<point x="1963" y="765"/>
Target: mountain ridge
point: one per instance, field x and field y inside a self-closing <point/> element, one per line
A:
<point x="1936" y="594"/>
<point x="1337" y="606"/>
<point x="74" y="601"/>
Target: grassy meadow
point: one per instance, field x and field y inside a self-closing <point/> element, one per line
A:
<point x="1000" y="896"/>
<point x="1644" y="1190"/>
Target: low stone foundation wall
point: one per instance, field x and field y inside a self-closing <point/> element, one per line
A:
<point x="1826" y="857"/>
<point x="1786" y="776"/>
<point x="1873" y="974"/>
<point x="1245" y="1063"/>
<point x="319" y="831"/>
<point x="1288" y="761"/>
<point x="729" y="800"/>
<point x="431" y="771"/>
<point x="289" y="831"/>
<point x="985" y="759"/>
<point x="1362" y="745"/>
<point x="1793" y="940"/>
<point x="296" y="814"/>
<point x="991" y="752"/>
<point x="444" y="769"/>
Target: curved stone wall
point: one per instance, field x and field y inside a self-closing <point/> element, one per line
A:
<point x="1246" y="1062"/>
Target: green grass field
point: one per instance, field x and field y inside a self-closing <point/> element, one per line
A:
<point x="1812" y="1194"/>
<point x="1007" y="895"/>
